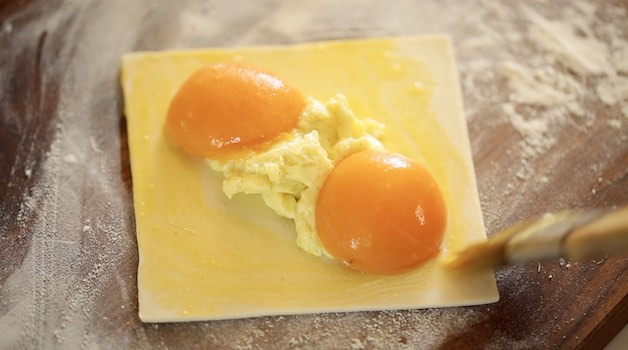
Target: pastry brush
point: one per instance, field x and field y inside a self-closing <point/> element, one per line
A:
<point x="575" y="234"/>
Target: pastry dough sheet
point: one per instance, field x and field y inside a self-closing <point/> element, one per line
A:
<point x="205" y="257"/>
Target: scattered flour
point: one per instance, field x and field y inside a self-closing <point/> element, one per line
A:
<point x="572" y="44"/>
<point x="536" y="86"/>
<point x="69" y="159"/>
<point x="613" y="91"/>
<point x="615" y="123"/>
<point x="7" y="27"/>
<point x="535" y="133"/>
<point x="568" y="55"/>
<point x="75" y="246"/>
<point x="620" y="57"/>
<point x="553" y="68"/>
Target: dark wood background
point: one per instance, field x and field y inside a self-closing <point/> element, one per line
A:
<point x="68" y="254"/>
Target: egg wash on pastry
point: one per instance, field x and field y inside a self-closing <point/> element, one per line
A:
<point x="318" y="164"/>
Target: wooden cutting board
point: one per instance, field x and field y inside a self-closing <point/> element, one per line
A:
<point x="542" y="85"/>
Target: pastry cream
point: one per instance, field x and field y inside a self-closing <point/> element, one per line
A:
<point x="290" y="173"/>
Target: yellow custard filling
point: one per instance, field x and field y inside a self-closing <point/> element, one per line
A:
<point x="289" y="174"/>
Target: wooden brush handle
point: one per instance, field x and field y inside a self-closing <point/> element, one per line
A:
<point x="607" y="234"/>
<point x="574" y="234"/>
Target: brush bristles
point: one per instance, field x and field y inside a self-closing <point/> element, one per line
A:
<point x="485" y="255"/>
<point x="477" y="257"/>
<point x="571" y="233"/>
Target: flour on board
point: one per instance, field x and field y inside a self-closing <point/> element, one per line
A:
<point x="54" y="299"/>
<point x="571" y="56"/>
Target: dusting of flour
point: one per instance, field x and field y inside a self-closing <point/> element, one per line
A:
<point x="544" y="71"/>
<point x="558" y="71"/>
<point x="77" y="214"/>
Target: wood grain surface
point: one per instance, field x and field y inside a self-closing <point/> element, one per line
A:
<point x="68" y="255"/>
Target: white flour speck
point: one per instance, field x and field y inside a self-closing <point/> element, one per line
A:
<point x="69" y="159"/>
